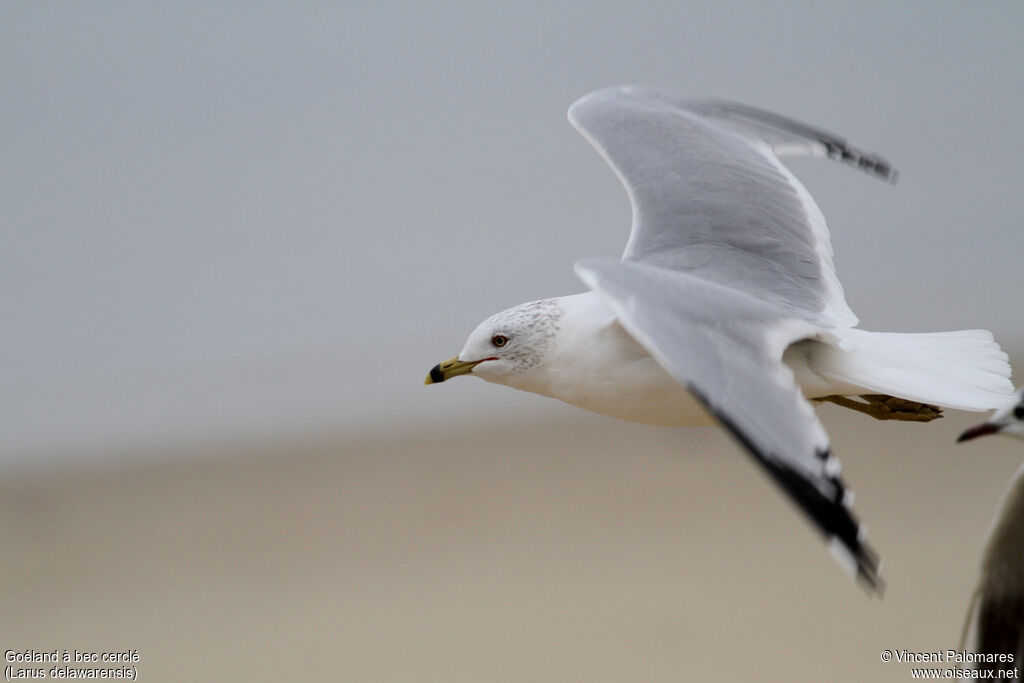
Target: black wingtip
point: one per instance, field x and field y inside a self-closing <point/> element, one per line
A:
<point x="828" y="510"/>
<point x="874" y="586"/>
<point x="835" y="146"/>
<point x="837" y="149"/>
<point x="869" y="568"/>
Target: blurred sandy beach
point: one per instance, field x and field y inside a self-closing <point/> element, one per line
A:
<point x="583" y="550"/>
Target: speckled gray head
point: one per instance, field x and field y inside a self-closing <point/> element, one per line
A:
<point x="507" y="343"/>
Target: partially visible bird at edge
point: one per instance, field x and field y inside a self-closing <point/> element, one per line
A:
<point x="997" y="604"/>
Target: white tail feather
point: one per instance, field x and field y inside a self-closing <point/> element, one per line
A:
<point x="963" y="370"/>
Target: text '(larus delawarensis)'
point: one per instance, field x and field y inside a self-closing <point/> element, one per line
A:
<point x="725" y="306"/>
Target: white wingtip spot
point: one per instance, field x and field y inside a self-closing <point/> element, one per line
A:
<point x="832" y="466"/>
<point x="847" y="499"/>
<point x="843" y="555"/>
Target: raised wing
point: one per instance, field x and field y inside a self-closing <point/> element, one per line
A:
<point x="726" y="348"/>
<point x="788" y="137"/>
<point x="710" y="196"/>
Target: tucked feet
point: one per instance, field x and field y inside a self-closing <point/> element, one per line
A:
<point x="884" y="407"/>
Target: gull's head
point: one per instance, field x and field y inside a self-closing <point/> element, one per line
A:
<point x="506" y="346"/>
<point x="1008" y="420"/>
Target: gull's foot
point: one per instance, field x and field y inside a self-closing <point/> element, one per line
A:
<point x="884" y="407"/>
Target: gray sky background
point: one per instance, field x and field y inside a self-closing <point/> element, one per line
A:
<point x="222" y="221"/>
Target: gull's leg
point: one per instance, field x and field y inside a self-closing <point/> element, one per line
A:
<point x="884" y="407"/>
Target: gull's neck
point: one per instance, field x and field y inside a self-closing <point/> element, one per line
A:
<point x="582" y="320"/>
<point x="588" y="347"/>
<point x="593" y="363"/>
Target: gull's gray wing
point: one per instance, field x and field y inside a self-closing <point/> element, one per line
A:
<point x="726" y="347"/>
<point x="1000" y="595"/>
<point x="710" y="196"/>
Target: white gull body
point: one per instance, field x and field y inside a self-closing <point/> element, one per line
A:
<point x="595" y="364"/>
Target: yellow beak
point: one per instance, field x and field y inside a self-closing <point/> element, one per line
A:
<point x="453" y="367"/>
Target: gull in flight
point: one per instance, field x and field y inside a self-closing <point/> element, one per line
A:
<point x="999" y="596"/>
<point x="725" y="306"/>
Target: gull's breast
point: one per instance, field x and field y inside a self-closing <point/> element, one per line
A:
<point x="639" y="391"/>
<point x="604" y="370"/>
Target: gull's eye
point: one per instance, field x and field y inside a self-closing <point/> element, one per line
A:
<point x="499" y="340"/>
<point x="1018" y="412"/>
